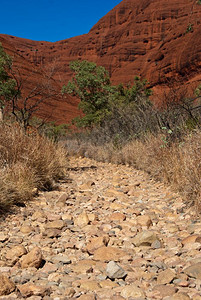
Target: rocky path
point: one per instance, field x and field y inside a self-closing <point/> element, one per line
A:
<point x="110" y="232"/>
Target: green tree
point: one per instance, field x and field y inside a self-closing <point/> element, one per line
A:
<point x="91" y="84"/>
<point x="136" y="95"/>
<point x="8" y="85"/>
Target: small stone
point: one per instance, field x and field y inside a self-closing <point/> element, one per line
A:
<point x="108" y="284"/>
<point x="69" y="292"/>
<point x="38" y="215"/>
<point x="116" y="206"/>
<point x="166" y="276"/>
<point x="144" y="221"/>
<point x="172" y="228"/>
<point x="92" y="217"/>
<point x="87" y="297"/>
<point x="80" y="245"/>
<point x="57" y="224"/>
<point x="49" y="268"/>
<point x="66" y="217"/>
<point x="117" y="217"/>
<point x="196" y="297"/>
<point x="81" y="220"/>
<point x="26" y="229"/>
<point x="190" y="239"/>
<point x="194" y="271"/>
<point x="180" y="282"/>
<point x="29" y="289"/>
<point x="3" y="237"/>
<point x="113" y="193"/>
<point x="132" y="291"/>
<point x="54" y="277"/>
<point x="32" y="259"/>
<point x="5" y="269"/>
<point x="109" y="253"/>
<point x="52" y="217"/>
<point x="62" y="198"/>
<point x="105" y="227"/>
<point x="191" y="247"/>
<point x="6" y="285"/>
<point x="16" y="252"/>
<point x="15" y="240"/>
<point x="144" y="238"/>
<point x="90" y="285"/>
<point x="83" y="266"/>
<point x="87" y="186"/>
<point x="180" y="296"/>
<point x="165" y="290"/>
<point x="156" y="244"/>
<point x="139" y="262"/>
<point x="61" y="258"/>
<point x="52" y="232"/>
<point x="114" y="271"/>
<point x="96" y="243"/>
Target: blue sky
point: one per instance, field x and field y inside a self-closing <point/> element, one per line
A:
<point x="51" y="20"/>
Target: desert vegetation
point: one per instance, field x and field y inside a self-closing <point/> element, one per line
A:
<point x="127" y="128"/>
<point x="27" y="162"/>
<point x="120" y="124"/>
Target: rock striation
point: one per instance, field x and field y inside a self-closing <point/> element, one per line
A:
<point x="155" y="39"/>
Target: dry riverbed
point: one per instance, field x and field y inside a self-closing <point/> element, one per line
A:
<point x="110" y="232"/>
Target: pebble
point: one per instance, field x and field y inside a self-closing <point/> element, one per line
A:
<point x="114" y="271"/>
<point x="32" y="259"/>
<point x="6" y="285"/>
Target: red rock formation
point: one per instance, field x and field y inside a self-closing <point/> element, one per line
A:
<point x="156" y="39"/>
<point x="56" y="108"/>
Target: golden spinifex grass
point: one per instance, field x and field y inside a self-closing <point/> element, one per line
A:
<point x="178" y="164"/>
<point x="26" y="163"/>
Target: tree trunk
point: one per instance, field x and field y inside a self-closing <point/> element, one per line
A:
<point x="1" y="115"/>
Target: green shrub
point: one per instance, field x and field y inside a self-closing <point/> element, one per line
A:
<point x="91" y="84"/>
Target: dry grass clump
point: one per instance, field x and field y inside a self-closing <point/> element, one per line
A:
<point x="16" y="185"/>
<point x="177" y="164"/>
<point x="27" y="163"/>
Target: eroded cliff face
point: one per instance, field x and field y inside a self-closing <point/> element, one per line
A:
<point x="155" y="39"/>
<point x="32" y="74"/>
